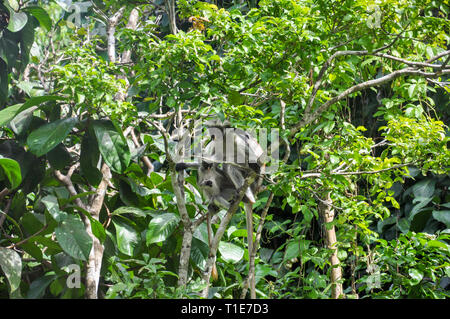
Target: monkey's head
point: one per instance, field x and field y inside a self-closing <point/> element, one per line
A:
<point x="207" y="183"/>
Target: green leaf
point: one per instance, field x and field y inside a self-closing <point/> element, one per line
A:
<point x="292" y="250"/>
<point x="73" y="238"/>
<point x="7" y="114"/>
<point x="113" y="146"/>
<point x="9" y="51"/>
<point x="231" y="252"/>
<point x="411" y="90"/>
<point x="48" y="136"/>
<point x="403" y="225"/>
<point x="419" y="220"/>
<point x="234" y="97"/>
<point x="3" y="83"/>
<point x="437" y="244"/>
<point x="415" y="275"/>
<point x="129" y="210"/>
<point x="51" y="203"/>
<point x="59" y="157"/>
<point x="96" y="227"/>
<point x="199" y="252"/>
<point x="11" y="265"/>
<point x="127" y="237"/>
<point x="17" y="21"/>
<point x="442" y="216"/>
<point x="89" y="158"/>
<point x="41" y="15"/>
<point x="161" y="227"/>
<point x="38" y="286"/>
<point x="11" y="169"/>
<point x="424" y="188"/>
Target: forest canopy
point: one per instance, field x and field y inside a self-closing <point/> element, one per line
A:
<point x="348" y="98"/>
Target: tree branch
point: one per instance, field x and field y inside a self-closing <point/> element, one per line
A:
<point x="309" y="116"/>
<point x="221" y="230"/>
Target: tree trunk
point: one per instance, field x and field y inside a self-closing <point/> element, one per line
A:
<point x="327" y="213"/>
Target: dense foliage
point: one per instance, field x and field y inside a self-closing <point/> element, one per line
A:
<point x="359" y="91"/>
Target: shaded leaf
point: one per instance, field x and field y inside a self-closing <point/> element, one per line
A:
<point x="38" y="286"/>
<point x="73" y="238"/>
<point x="424" y="188"/>
<point x="113" y="146"/>
<point x="89" y="159"/>
<point x="11" y="265"/>
<point x="51" y="203"/>
<point x="41" y="15"/>
<point x="7" y="114"/>
<point x="127" y="237"/>
<point x="48" y="136"/>
<point x="59" y="157"/>
<point x="129" y="210"/>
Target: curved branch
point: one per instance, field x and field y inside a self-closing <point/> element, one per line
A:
<point x="309" y="116"/>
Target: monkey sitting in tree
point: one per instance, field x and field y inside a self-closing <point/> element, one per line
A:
<point x="228" y="159"/>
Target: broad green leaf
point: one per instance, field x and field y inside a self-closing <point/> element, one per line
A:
<point x="7" y="114"/>
<point x="9" y="50"/>
<point x="127" y="237"/>
<point x="113" y="146"/>
<point x="415" y="275"/>
<point x="161" y="227"/>
<point x="199" y="252"/>
<point x="292" y="250"/>
<point x="422" y="202"/>
<point x="17" y="21"/>
<point x="419" y="220"/>
<point x="11" y="169"/>
<point x="41" y="15"/>
<point x="89" y="159"/>
<point x="73" y="238"/>
<point x="201" y="233"/>
<point x="96" y="227"/>
<point x="48" y="136"/>
<point x="31" y="248"/>
<point x="411" y="90"/>
<point x="51" y="203"/>
<point x="32" y="222"/>
<point x="424" y="188"/>
<point x="11" y="265"/>
<point x="234" y="98"/>
<point x="442" y="216"/>
<point x="38" y="286"/>
<point x="129" y="210"/>
<point x="59" y="157"/>
<point x="403" y="225"/>
<point x="438" y="244"/>
<point x="231" y="252"/>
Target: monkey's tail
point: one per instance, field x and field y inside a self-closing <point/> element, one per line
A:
<point x="248" y="208"/>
